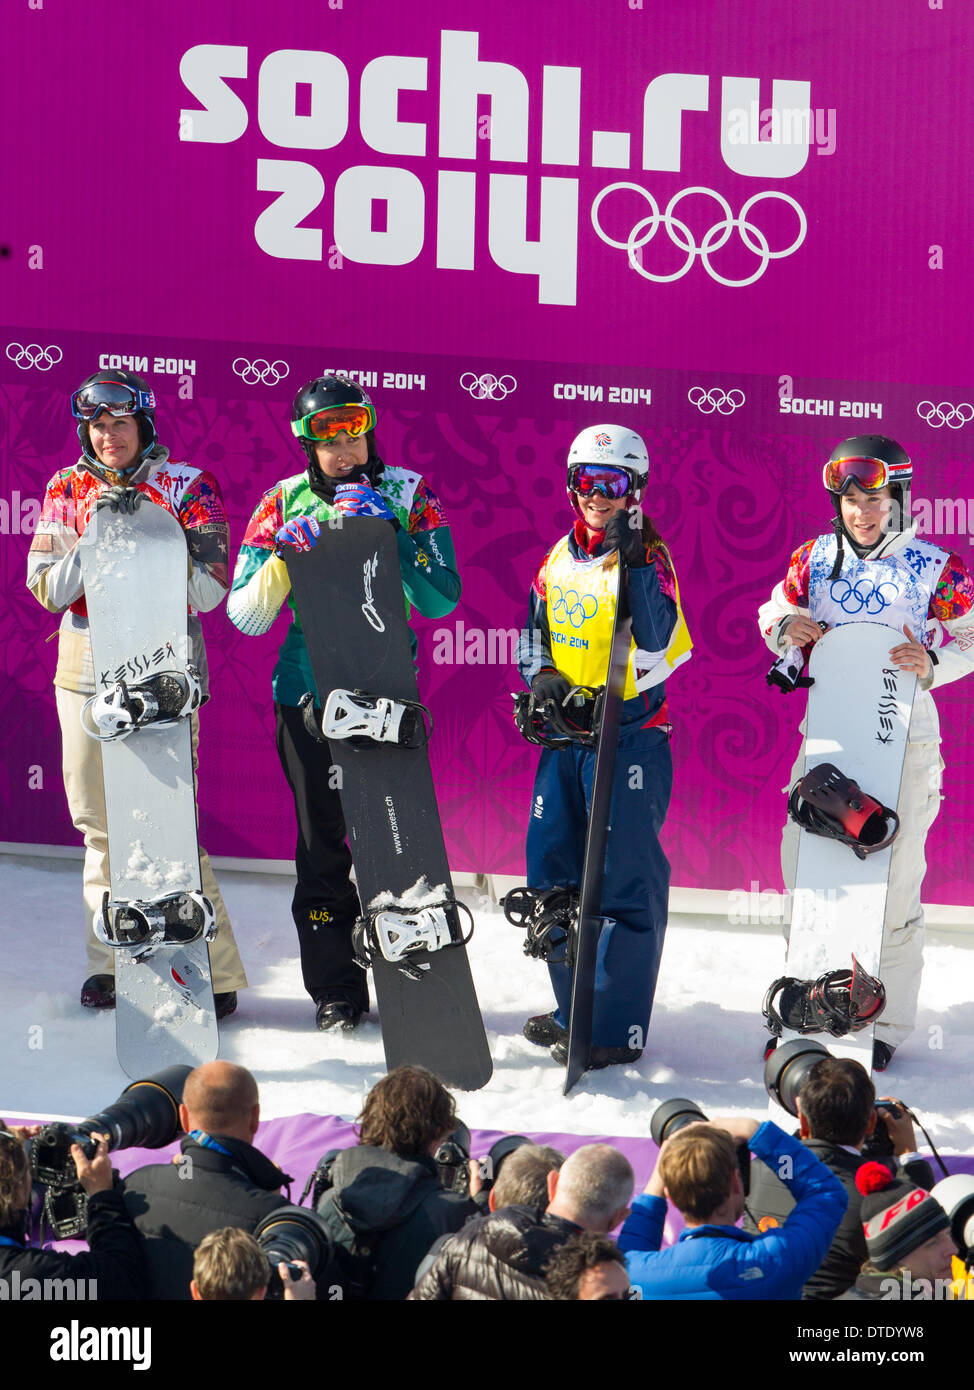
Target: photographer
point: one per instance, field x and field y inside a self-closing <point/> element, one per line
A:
<point x="219" y="1179"/>
<point x="503" y="1256"/>
<point x="230" y="1266"/>
<point x="114" y="1265"/>
<point x="383" y="1203"/>
<point x="698" y="1171"/>
<point x="837" y="1115"/>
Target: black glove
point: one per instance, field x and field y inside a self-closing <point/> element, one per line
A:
<point x="549" y="685"/>
<point x="120" y="499"/>
<point x="624" y="533"/>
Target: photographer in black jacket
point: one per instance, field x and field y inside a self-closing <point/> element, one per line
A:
<point x="837" y="1114"/>
<point x="219" y="1179"/>
<point x="113" y="1267"/>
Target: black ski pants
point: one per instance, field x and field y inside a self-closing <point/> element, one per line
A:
<point x="325" y="903"/>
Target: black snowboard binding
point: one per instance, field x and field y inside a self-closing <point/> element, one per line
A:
<point x="551" y="724"/>
<point x="839" y="1002"/>
<point x="825" y="802"/>
<point x="159" y="701"/>
<point x="178" y="919"/>
<point x="362" y="720"/>
<point x="397" y="931"/>
<point x="550" y="918"/>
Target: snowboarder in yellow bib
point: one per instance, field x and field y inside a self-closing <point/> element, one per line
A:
<point x="566" y="644"/>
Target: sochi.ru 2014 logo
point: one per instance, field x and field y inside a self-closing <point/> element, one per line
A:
<point x="570" y="607"/>
<point x="33" y="355"/>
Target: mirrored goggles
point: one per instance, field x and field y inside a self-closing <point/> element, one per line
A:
<point x="112" y="396"/>
<point x="589" y="478"/>
<point x="327" y="424"/>
<point x="868" y="474"/>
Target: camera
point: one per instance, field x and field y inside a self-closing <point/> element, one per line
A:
<point x="145" y="1116"/>
<point x="498" y="1153"/>
<point x="673" y="1115"/>
<point x="452" y="1158"/>
<point x="786" y="1069"/>
<point x="291" y="1233"/>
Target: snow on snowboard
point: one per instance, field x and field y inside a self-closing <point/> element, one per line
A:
<point x="349" y="595"/>
<point x="135" y="582"/>
<point x="858" y="719"/>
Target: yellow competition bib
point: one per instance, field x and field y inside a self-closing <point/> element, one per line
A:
<point x="581" y="607"/>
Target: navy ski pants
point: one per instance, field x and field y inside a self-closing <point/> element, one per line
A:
<point x="637" y="873"/>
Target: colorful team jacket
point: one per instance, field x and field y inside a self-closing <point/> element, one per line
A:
<point x="427" y="562"/>
<point x="570" y="620"/>
<point x="190" y="494"/>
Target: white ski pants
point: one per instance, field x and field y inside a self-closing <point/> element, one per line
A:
<point x="901" y="961"/>
<point x="85" y="790"/>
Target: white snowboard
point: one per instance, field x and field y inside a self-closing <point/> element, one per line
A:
<point x="135" y="577"/>
<point x="858" y="718"/>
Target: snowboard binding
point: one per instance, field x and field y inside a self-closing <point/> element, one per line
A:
<point x="396" y="932"/>
<point x="838" y="1002"/>
<point x="576" y="719"/>
<point x="825" y="802"/>
<point x="159" y="701"/>
<point x="178" y="919"/>
<point x="549" y="917"/>
<point x="362" y="720"/>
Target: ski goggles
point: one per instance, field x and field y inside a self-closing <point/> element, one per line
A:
<point x="589" y="478"/>
<point x="867" y="473"/>
<point x="328" y="424"/>
<point x="112" y="396"/>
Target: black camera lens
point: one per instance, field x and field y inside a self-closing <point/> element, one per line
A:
<point x="673" y="1115"/>
<point x="291" y="1233"/>
<point x="787" y="1067"/>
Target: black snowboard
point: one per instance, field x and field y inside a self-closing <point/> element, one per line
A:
<point x="590" y="894"/>
<point x="348" y="591"/>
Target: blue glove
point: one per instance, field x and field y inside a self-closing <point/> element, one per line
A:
<point x="301" y="533"/>
<point x="356" y="499"/>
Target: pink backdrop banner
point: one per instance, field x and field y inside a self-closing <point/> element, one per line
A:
<point x="739" y="228"/>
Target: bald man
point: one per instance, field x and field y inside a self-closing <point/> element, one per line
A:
<point x="218" y="1180"/>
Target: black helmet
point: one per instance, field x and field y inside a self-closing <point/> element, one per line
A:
<point x="871" y="461"/>
<point x="144" y="404"/>
<point x="331" y="393"/>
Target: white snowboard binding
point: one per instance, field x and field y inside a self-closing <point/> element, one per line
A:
<point x="178" y="919"/>
<point x="395" y="933"/>
<point x="363" y="720"/>
<point x="159" y="701"/>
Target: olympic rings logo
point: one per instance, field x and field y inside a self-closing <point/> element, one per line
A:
<point x="864" y="594"/>
<point x="33" y="355"/>
<point x="936" y="416"/>
<point x="573" y="608"/>
<point x="488" y="387"/>
<point x="681" y="236"/>
<point x="726" y="402"/>
<point x="270" y="373"/>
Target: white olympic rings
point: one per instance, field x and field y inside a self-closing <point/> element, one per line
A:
<point x="270" y="373"/>
<point x="487" y="387"/>
<point x="726" y="402"/>
<point x="718" y="235"/>
<point x="36" y="356"/>
<point x="946" y="413"/>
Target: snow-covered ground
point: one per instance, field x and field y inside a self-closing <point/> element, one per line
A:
<point x="705" y="1040"/>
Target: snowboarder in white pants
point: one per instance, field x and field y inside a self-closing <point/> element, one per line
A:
<point x="874" y="569"/>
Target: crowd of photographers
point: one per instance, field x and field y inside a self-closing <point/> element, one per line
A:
<point x="845" y="1208"/>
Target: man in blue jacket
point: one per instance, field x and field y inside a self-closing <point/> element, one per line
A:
<point x="698" y="1172"/>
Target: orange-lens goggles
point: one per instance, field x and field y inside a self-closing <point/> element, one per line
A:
<point x="868" y="474"/>
<point x="326" y="424"/>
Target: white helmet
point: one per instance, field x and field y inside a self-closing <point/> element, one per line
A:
<point x="612" y="446"/>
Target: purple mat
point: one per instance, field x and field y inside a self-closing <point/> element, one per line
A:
<point x="297" y="1142"/>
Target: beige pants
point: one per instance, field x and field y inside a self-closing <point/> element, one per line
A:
<point x="85" y="790"/>
<point x="901" y="961"/>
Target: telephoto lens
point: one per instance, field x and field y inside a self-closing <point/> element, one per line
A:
<point x="291" y="1233"/>
<point x="786" y="1069"/>
<point x="673" y="1115"/>
<point x="500" y="1150"/>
